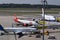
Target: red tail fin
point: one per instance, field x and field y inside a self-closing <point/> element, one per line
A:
<point x="15" y="18"/>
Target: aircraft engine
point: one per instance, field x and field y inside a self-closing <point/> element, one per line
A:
<point x="31" y="24"/>
<point x="1" y="34"/>
<point x="20" y="34"/>
<point x="27" y="24"/>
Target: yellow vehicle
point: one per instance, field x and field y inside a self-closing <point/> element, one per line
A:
<point x="46" y="32"/>
<point x="41" y="22"/>
<point x="58" y="19"/>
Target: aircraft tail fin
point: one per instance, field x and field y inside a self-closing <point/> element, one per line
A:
<point x="2" y="29"/>
<point x="15" y="18"/>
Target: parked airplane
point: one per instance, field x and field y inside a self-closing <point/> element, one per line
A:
<point x="48" y="17"/>
<point x="19" y="31"/>
<point x="50" y="21"/>
<point x="24" y="22"/>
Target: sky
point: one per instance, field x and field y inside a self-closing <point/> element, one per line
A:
<point x="53" y="2"/>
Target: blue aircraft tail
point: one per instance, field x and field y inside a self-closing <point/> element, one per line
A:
<point x="1" y="27"/>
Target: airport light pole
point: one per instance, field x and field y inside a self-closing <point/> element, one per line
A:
<point x="44" y="2"/>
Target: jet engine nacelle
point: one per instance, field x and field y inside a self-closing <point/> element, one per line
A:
<point x="1" y="34"/>
<point x="20" y="34"/>
<point x="27" y="24"/>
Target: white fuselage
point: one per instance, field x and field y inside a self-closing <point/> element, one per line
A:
<point x="20" y="29"/>
<point x="27" y="22"/>
<point x="49" y="17"/>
